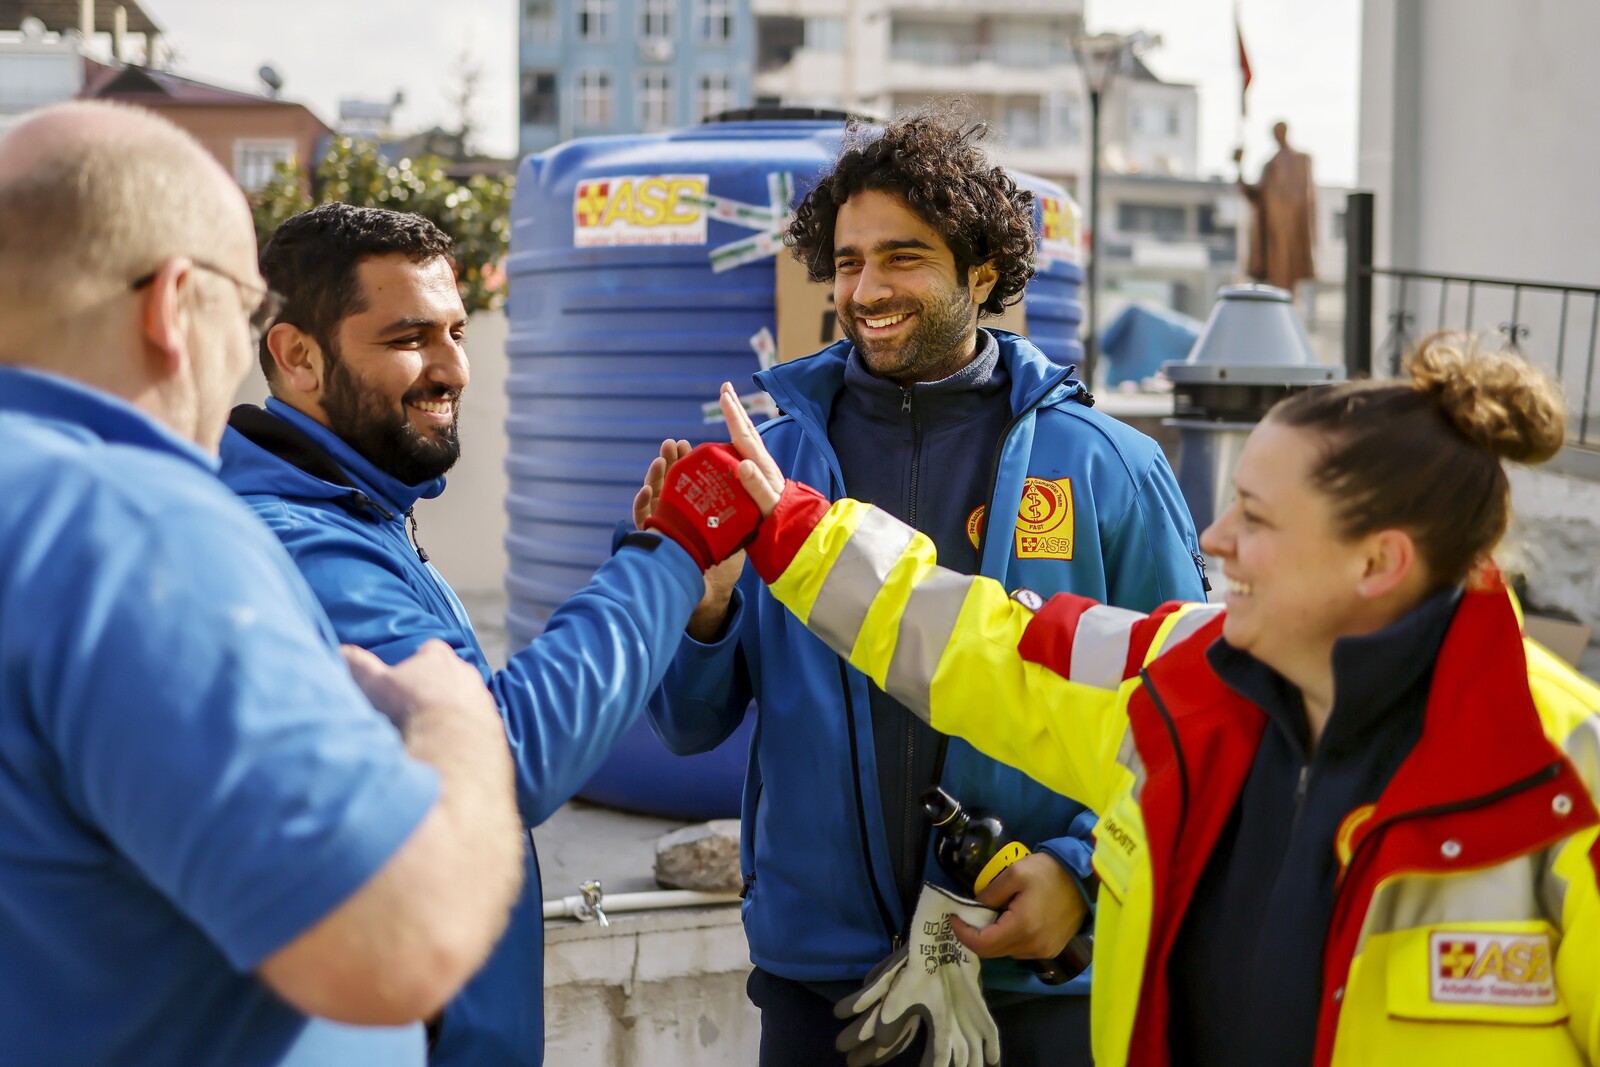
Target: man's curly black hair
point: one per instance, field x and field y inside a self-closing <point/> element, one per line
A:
<point x="313" y="257"/>
<point x="927" y="161"/>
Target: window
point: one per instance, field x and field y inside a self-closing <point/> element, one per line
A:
<point x="654" y="100"/>
<point x="1022" y="125"/>
<point x="539" y="20"/>
<point x="655" y="19"/>
<point x="715" y="95"/>
<point x="594" y="98"/>
<point x="1161" y="219"/>
<point x="715" y="20"/>
<point x="1155" y="120"/>
<point x="594" y="19"/>
<point x="1063" y="119"/>
<point x="540" y="104"/>
<point x="825" y="35"/>
<point x="255" y="161"/>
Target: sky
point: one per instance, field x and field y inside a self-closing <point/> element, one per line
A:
<point x="1304" y="58"/>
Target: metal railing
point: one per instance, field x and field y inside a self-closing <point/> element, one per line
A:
<point x="1552" y="324"/>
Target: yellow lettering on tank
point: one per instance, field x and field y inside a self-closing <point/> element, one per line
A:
<point x="677" y="213"/>
<point x="621" y="206"/>
<point x="652" y="202"/>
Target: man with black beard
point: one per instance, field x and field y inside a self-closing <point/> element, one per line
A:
<point x="366" y="368"/>
<point x="977" y="439"/>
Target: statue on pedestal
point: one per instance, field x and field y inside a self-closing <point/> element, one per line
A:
<point x="1283" y="216"/>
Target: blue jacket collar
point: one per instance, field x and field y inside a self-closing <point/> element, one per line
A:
<point x="93" y="412"/>
<point x="805" y="388"/>
<point x="247" y="468"/>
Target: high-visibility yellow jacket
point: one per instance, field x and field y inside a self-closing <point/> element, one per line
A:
<point x="1467" y="923"/>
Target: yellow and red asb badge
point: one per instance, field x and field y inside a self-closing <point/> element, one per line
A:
<point x="1059" y="236"/>
<point x="1044" y="520"/>
<point x="1488" y="967"/>
<point x="638" y="209"/>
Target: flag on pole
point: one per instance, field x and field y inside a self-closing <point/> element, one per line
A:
<point x="1244" y="60"/>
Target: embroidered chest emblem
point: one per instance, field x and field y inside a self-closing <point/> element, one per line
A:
<point x="1483" y="967"/>
<point x="1044" y="519"/>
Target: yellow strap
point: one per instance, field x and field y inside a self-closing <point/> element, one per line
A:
<point x="997" y="863"/>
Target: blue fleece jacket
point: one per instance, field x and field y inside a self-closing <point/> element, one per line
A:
<point x="566" y="697"/>
<point x="1085" y="504"/>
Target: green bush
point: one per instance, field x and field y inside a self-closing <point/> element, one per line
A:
<point x="475" y="213"/>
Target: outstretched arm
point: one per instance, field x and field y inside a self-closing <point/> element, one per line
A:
<point x="951" y="647"/>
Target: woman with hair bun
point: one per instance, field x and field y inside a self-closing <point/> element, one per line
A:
<point x="1348" y="816"/>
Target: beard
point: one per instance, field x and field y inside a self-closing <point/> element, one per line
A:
<point x="934" y="348"/>
<point x="383" y="435"/>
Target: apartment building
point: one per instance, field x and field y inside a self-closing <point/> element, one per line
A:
<point x="625" y="66"/>
<point x="1012" y="60"/>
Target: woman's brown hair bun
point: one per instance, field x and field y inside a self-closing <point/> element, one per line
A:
<point x="1497" y="400"/>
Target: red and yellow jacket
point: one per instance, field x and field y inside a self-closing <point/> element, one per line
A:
<point x="1467" y="923"/>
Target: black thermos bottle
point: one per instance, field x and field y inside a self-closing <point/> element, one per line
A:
<point x="973" y="846"/>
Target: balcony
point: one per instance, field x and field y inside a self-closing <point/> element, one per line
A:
<point x="1031" y="55"/>
<point x="1073" y="8"/>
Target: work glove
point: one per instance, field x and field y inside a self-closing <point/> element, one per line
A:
<point x="703" y="507"/>
<point x="930" y="982"/>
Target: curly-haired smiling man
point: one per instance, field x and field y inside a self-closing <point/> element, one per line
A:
<point x="946" y="425"/>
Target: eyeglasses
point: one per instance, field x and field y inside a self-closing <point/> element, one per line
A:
<point x="267" y="303"/>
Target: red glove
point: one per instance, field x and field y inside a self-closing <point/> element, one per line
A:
<point x="704" y="508"/>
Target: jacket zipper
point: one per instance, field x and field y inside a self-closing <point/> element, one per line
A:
<point x="1538" y="778"/>
<point x="988" y="520"/>
<point x="911" y="812"/>
<point x="884" y="914"/>
<point x="411" y="520"/>
<point x="1301" y="788"/>
<point x="1177" y="750"/>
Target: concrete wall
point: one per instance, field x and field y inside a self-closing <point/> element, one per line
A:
<point x="1477" y="135"/>
<point x="1478" y="140"/>
<point x="656" y="989"/>
<point x="1555" y="539"/>
<point x="464" y="530"/>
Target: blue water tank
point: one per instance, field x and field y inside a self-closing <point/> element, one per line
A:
<point x="621" y="330"/>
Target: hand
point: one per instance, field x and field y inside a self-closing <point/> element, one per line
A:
<point x="758" y="471"/>
<point x="433" y="677"/>
<point x="710" y="615"/>
<point x="1043" y="908"/>
<point x="703" y="508"/>
<point x="931" y="982"/>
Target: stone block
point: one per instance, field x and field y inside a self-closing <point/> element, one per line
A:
<point x="703" y="857"/>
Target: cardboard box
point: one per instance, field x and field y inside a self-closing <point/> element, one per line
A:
<point x="807" y="322"/>
<point x="1566" y="639"/>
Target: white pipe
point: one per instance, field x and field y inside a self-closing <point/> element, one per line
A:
<point x="86" y="19"/>
<point x="578" y="908"/>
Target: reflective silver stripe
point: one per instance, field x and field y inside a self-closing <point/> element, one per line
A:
<point x="924" y="633"/>
<point x="856" y="577"/>
<point x="1100" y="646"/>
<point x="1189" y="623"/>
<point x="1128" y="756"/>
<point x="1502" y="893"/>
<point x="1551" y="887"/>
<point x="1582" y="747"/>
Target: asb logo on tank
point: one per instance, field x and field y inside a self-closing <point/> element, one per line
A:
<point x="1059" y="235"/>
<point x="639" y="209"/>
<point x="1484" y="967"/>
